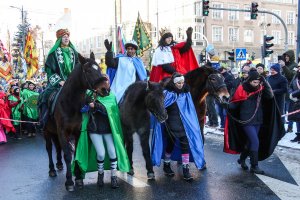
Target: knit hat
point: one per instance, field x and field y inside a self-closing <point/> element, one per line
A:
<point x="260" y="65"/>
<point x="253" y="75"/>
<point x="131" y="43"/>
<point x="62" y="32"/>
<point x="276" y="67"/>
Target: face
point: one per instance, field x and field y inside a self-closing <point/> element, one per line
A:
<point x="260" y="70"/>
<point x="65" y="40"/>
<point x="31" y="86"/>
<point x="287" y="58"/>
<point x="179" y="84"/>
<point x="245" y="75"/>
<point x="273" y="72"/>
<point x="103" y="88"/>
<point x="130" y="51"/>
<point x="254" y="83"/>
<point x="168" y="40"/>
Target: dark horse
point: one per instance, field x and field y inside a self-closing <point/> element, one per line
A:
<point x="139" y="100"/>
<point x="65" y="123"/>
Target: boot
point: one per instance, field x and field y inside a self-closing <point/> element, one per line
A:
<point x="242" y="160"/>
<point x="254" y="163"/>
<point x="186" y="173"/>
<point x="114" y="182"/>
<point x="167" y="169"/>
<point x="296" y="139"/>
<point x="100" y="182"/>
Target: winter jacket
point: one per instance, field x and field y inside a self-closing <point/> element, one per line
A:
<point x="288" y="69"/>
<point x="294" y="105"/>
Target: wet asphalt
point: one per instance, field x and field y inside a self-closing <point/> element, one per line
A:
<point x="24" y="176"/>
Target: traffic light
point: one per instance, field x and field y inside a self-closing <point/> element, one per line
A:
<point x="254" y="10"/>
<point x="202" y="57"/>
<point x="231" y="55"/>
<point x="266" y="46"/>
<point x="205" y="7"/>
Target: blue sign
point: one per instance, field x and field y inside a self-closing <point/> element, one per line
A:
<point x="240" y="54"/>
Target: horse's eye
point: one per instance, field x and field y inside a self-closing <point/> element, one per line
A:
<point x="212" y="79"/>
<point x="95" y="67"/>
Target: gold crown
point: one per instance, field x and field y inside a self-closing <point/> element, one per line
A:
<point x="164" y="31"/>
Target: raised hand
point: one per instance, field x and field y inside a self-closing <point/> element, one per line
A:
<point x="108" y="45"/>
<point x="189" y="32"/>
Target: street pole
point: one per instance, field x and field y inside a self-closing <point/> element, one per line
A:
<point x="267" y="12"/>
<point x="157" y="29"/>
<point x="298" y="34"/>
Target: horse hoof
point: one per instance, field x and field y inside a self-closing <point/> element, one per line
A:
<point x="151" y="176"/>
<point x="70" y="188"/>
<point x="52" y="173"/>
<point x="79" y="183"/>
<point x="59" y="166"/>
<point x="131" y="172"/>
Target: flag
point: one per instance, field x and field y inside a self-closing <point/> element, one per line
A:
<point x="31" y="55"/>
<point x="141" y="37"/>
<point x="5" y="65"/>
<point x="121" y="41"/>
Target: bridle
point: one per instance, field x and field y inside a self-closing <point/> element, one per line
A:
<point x="211" y="85"/>
<point x="87" y="81"/>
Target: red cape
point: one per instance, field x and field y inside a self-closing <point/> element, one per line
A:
<point x="5" y="113"/>
<point x="183" y="63"/>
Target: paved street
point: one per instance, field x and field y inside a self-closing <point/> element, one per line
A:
<point x="24" y="175"/>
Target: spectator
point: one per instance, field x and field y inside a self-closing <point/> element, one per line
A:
<point x="261" y="70"/>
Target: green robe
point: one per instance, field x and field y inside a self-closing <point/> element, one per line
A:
<point x="29" y="108"/>
<point x="86" y="155"/>
<point x="15" y="111"/>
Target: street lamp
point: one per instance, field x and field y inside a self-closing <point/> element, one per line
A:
<point x="22" y="15"/>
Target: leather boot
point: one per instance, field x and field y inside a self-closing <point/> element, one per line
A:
<point x="114" y="182"/>
<point x="186" y="173"/>
<point x="242" y="160"/>
<point x="100" y="181"/>
<point x="167" y="169"/>
<point x="254" y="163"/>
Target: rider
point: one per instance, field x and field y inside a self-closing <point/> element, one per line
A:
<point x="170" y="57"/>
<point x="60" y="62"/>
<point x="129" y="68"/>
<point x="182" y="128"/>
<point x="102" y="123"/>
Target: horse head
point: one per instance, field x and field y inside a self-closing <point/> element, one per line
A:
<point x="216" y="86"/>
<point x="154" y="101"/>
<point x="91" y="71"/>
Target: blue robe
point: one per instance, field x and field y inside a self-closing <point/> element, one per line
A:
<point x="190" y="122"/>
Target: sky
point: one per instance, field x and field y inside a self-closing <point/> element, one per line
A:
<point x="87" y="15"/>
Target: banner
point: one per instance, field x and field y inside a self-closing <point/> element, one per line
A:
<point x="31" y="55"/>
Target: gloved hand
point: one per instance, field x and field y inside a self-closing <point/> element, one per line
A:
<point x="189" y="32"/>
<point x="85" y="108"/>
<point x="294" y="99"/>
<point x="108" y="45"/>
<point x="281" y="63"/>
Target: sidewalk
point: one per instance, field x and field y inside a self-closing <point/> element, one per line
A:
<point x="284" y="142"/>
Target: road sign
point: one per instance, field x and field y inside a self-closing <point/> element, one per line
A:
<point x="240" y="54"/>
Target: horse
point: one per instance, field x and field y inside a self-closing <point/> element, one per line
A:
<point x="141" y="99"/>
<point x="65" y="123"/>
<point x="203" y="81"/>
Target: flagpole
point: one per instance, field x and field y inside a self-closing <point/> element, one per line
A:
<point x="116" y="29"/>
<point x="157" y="29"/>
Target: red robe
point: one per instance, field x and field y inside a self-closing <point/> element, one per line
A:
<point x="5" y="113"/>
<point x="183" y="63"/>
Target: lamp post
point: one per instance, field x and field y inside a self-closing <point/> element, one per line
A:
<point x="23" y="22"/>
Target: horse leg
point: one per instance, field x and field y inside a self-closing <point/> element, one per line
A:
<point x="52" y="171"/>
<point x="59" y="164"/>
<point x="78" y="175"/>
<point x="68" y="158"/>
<point x="144" y="139"/>
<point x="201" y="114"/>
<point x="128" y="139"/>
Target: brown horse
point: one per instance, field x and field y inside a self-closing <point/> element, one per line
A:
<point x="65" y="123"/>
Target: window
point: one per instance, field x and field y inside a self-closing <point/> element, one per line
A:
<point x="217" y="14"/>
<point x="248" y="36"/>
<point x="275" y="20"/>
<point x="198" y="32"/>
<point x="92" y="43"/>
<point x="233" y="34"/>
<point x="198" y="8"/>
<point x="291" y="38"/>
<point x="277" y="37"/>
<point x="247" y="14"/>
<point x="98" y="42"/>
<point x="217" y="33"/>
<point x="233" y="15"/>
<point x="290" y="17"/>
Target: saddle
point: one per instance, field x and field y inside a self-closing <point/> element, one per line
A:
<point x="52" y="100"/>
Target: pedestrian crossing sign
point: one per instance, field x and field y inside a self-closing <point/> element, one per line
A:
<point x="240" y="54"/>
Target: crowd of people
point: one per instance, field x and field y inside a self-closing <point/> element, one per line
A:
<point x="249" y="87"/>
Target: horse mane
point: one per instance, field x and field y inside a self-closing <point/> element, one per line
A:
<point x="136" y="91"/>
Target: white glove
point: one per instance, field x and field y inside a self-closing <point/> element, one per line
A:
<point x="294" y="99"/>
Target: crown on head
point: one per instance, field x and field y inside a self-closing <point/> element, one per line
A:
<point x="164" y="31"/>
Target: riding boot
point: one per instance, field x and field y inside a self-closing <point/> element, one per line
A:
<point x="186" y="172"/>
<point x="114" y="182"/>
<point x="100" y="181"/>
<point x="254" y="163"/>
<point x="242" y="160"/>
<point x="44" y="115"/>
<point x="167" y="169"/>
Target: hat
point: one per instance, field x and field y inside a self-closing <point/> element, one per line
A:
<point x="260" y="65"/>
<point x="253" y="75"/>
<point x="30" y="82"/>
<point x="165" y="33"/>
<point x="210" y="49"/>
<point x="62" y="32"/>
<point x="131" y="43"/>
<point x="276" y="67"/>
<point x="234" y="71"/>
